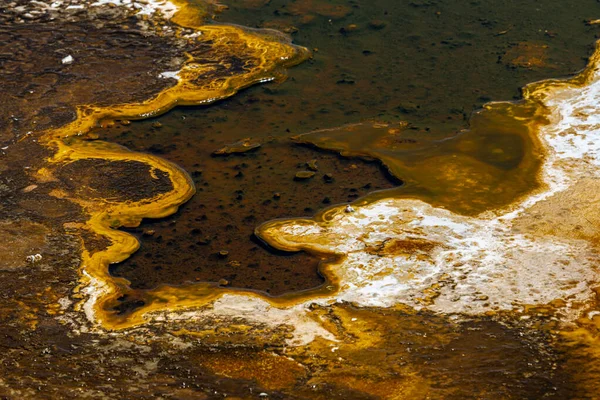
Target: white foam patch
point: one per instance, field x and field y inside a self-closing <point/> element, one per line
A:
<point x="94" y="289"/>
<point x="472" y="265"/>
<point x="574" y="133"/>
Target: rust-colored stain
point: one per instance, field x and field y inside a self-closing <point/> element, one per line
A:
<point x="527" y="55"/>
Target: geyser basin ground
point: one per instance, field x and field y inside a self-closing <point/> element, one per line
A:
<point x="71" y="329"/>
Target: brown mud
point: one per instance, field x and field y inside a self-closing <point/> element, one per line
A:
<point x="235" y="197"/>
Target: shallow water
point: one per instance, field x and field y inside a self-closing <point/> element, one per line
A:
<point x="430" y="64"/>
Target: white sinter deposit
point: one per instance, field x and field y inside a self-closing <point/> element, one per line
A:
<point x="36" y="8"/>
<point x="146" y="7"/>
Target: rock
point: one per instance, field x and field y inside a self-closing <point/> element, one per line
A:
<point x="241" y="146"/>
<point x="67" y="60"/>
<point x="280" y="25"/>
<point x="34" y="258"/>
<point x="203" y="242"/>
<point x="348" y="29"/>
<point x="312" y="165"/>
<point x="377" y="24"/>
<point x="29" y="188"/>
<point x="303" y="175"/>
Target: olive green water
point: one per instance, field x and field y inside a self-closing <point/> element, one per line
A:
<point x="430" y="63"/>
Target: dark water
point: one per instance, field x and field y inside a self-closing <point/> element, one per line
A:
<point x="431" y="63"/>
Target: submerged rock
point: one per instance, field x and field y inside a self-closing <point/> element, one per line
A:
<point x="377" y="24"/>
<point x="528" y="55"/>
<point x="223" y="253"/>
<point x="242" y="146"/>
<point x="304" y="175"/>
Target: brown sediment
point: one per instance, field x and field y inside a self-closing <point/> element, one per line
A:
<point x="582" y="357"/>
<point x="242" y="146"/>
<point x="235" y="194"/>
<point x="271" y="371"/>
<point x="400" y="354"/>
